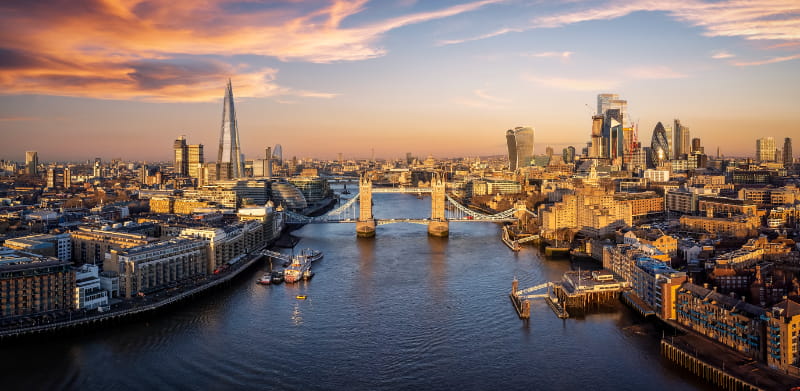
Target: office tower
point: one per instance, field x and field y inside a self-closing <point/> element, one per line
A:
<point x="98" y="168"/>
<point x="277" y="154"/>
<point x="682" y="140"/>
<point x="31" y="162"/>
<point x="196" y="158"/>
<point x="568" y="154"/>
<point x="659" y="147"/>
<point x="613" y="134"/>
<point x="268" y="164"/>
<point x="596" y="150"/>
<point x="548" y="151"/>
<point x="520" y="147"/>
<point x="51" y="178"/>
<point x="229" y="157"/>
<point x="604" y="102"/>
<point x="670" y="141"/>
<point x="696" y="147"/>
<point x="143" y="173"/>
<point x="765" y="149"/>
<point x="181" y="165"/>
<point x="788" y="158"/>
<point x="67" y="178"/>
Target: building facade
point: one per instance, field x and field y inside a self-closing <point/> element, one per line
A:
<point x="33" y="284"/>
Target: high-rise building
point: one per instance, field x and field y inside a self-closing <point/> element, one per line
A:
<point x="181" y="165"/>
<point x="788" y="158"/>
<point x="596" y="150"/>
<point x="765" y="149"/>
<point x="682" y="140"/>
<point x="613" y="134"/>
<point x="51" y="178"/>
<point x="67" y="178"/>
<point x="229" y="158"/>
<point x="196" y="160"/>
<point x="548" y="151"/>
<point x="696" y="147"/>
<point x="277" y="154"/>
<point x="520" y="147"/>
<point x="670" y="141"/>
<point x="568" y="154"/>
<point x="31" y="162"/>
<point x="98" y="168"/>
<point x="659" y="147"/>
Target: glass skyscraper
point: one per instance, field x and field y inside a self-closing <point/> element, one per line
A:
<point x="520" y="147"/>
<point x="229" y="158"/>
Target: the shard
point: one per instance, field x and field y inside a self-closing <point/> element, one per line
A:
<point x="229" y="159"/>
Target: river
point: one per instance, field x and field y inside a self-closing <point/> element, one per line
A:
<point x="398" y="311"/>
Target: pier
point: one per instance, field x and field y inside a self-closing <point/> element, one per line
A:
<point x="512" y="244"/>
<point x="587" y="289"/>
<point x="521" y="299"/>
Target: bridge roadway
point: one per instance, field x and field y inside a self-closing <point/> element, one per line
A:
<point x="413" y="221"/>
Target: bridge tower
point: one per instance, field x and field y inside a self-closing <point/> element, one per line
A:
<point x="439" y="225"/>
<point x="365" y="226"/>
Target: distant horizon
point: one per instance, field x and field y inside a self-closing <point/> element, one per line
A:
<point x="435" y="78"/>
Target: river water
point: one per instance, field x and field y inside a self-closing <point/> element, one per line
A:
<point x="398" y="311"/>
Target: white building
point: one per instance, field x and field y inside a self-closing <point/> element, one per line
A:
<point x="89" y="293"/>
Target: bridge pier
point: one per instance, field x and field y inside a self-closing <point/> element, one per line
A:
<point x="439" y="228"/>
<point x="365" y="229"/>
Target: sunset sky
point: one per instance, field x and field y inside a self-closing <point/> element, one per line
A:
<point x="124" y="78"/>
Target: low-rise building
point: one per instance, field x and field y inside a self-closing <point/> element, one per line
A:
<point x="782" y="329"/>
<point x="643" y="204"/>
<point x="32" y="284"/>
<point x="90" y="245"/>
<point x="89" y="293"/>
<point x="59" y="246"/>
<point x="737" y="226"/>
<point x="723" y="318"/>
<point x="155" y="266"/>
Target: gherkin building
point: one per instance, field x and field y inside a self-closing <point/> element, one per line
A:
<point x="659" y="147"/>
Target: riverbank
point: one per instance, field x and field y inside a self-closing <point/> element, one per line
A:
<point x="133" y="308"/>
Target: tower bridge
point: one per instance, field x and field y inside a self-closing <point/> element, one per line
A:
<point x="444" y="209"/>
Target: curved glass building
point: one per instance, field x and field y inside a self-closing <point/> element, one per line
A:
<point x="659" y="146"/>
<point x="287" y="194"/>
<point x="520" y="147"/>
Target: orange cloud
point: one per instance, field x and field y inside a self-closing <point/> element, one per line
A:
<point x="164" y="50"/>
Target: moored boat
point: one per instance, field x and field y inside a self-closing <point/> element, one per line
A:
<point x="295" y="271"/>
<point x="308" y="274"/>
<point x="266" y="279"/>
<point x="311" y="254"/>
<point x="277" y="277"/>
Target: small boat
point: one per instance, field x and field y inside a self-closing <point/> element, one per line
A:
<point x="266" y="279"/>
<point x="277" y="277"/>
<point x="301" y="297"/>
<point x="311" y="254"/>
<point x="308" y="274"/>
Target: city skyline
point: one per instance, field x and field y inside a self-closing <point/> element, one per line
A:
<point x="439" y="78"/>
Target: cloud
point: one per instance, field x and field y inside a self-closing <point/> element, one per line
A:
<point x="18" y="119"/>
<point x="495" y="33"/>
<point x="721" y="55"/>
<point x="571" y="84"/>
<point x="653" y="72"/>
<point x="162" y="50"/>
<point x="767" y="61"/>
<point x="480" y="98"/>
<point x="763" y="20"/>
<point x="564" y="55"/>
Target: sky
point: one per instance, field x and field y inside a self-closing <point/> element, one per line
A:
<point x="124" y="78"/>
